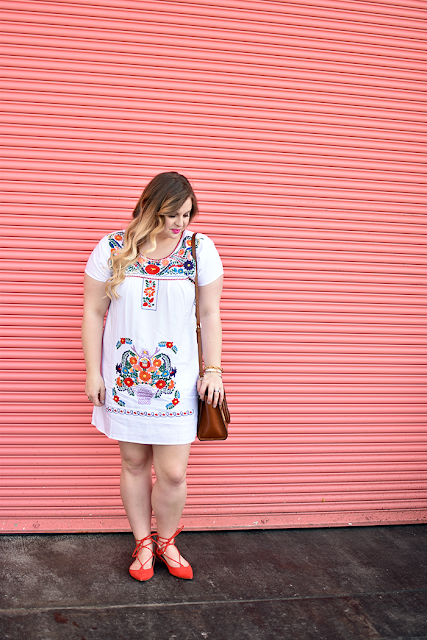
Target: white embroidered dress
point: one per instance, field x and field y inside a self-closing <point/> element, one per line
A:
<point x="149" y="359"/>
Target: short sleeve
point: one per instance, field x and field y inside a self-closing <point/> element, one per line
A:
<point x="209" y="265"/>
<point x="97" y="266"/>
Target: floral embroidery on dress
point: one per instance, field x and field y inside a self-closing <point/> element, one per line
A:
<point x="149" y="294"/>
<point x="151" y="414"/>
<point x="145" y="375"/>
<point x="179" y="264"/>
<point x="115" y="241"/>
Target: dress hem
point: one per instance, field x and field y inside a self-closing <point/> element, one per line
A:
<point x="133" y="441"/>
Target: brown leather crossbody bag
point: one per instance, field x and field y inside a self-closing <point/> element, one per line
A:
<point x="212" y="424"/>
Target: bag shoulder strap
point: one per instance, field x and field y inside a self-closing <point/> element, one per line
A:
<point x="198" y="326"/>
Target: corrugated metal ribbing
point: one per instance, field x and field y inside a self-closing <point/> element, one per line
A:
<point x="302" y="127"/>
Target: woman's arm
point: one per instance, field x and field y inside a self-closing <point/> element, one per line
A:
<point x="209" y="298"/>
<point x="96" y="303"/>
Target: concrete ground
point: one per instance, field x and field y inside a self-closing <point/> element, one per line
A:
<point x="355" y="583"/>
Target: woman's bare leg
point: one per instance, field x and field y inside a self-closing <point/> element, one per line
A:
<point x="170" y="491"/>
<point x="135" y="489"/>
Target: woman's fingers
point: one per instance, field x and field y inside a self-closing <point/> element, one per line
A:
<point x="217" y="397"/>
<point x="211" y="389"/>
<point x="98" y="400"/>
<point x="97" y="397"/>
<point x="199" y="385"/>
<point x="95" y="391"/>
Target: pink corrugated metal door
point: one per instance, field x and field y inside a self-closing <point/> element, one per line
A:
<point x="301" y="126"/>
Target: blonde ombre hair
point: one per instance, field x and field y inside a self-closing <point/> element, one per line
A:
<point x="163" y="195"/>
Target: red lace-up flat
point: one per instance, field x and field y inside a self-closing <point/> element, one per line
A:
<point x="179" y="572"/>
<point x="142" y="574"/>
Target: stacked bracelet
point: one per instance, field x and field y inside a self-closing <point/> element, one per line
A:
<point x="212" y="369"/>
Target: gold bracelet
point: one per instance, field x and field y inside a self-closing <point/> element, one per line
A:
<point x="212" y="367"/>
<point x="218" y="373"/>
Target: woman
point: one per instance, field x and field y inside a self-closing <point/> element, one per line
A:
<point x="142" y="368"/>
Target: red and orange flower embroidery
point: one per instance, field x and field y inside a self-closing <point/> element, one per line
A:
<point x="145" y="375"/>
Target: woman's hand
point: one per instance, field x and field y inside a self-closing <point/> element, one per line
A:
<point x="95" y="389"/>
<point x="212" y="383"/>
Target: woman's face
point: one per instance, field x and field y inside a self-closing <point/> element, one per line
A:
<point x="176" y="223"/>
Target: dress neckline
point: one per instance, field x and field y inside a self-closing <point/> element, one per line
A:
<point x="178" y="244"/>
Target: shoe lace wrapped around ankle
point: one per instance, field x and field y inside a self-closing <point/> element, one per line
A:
<point x="163" y="543"/>
<point x="145" y="543"/>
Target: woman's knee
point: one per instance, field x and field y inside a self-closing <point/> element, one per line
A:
<point x="174" y="476"/>
<point x="136" y="458"/>
<point x="170" y="464"/>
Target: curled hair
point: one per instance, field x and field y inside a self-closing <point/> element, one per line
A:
<point x="162" y="196"/>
